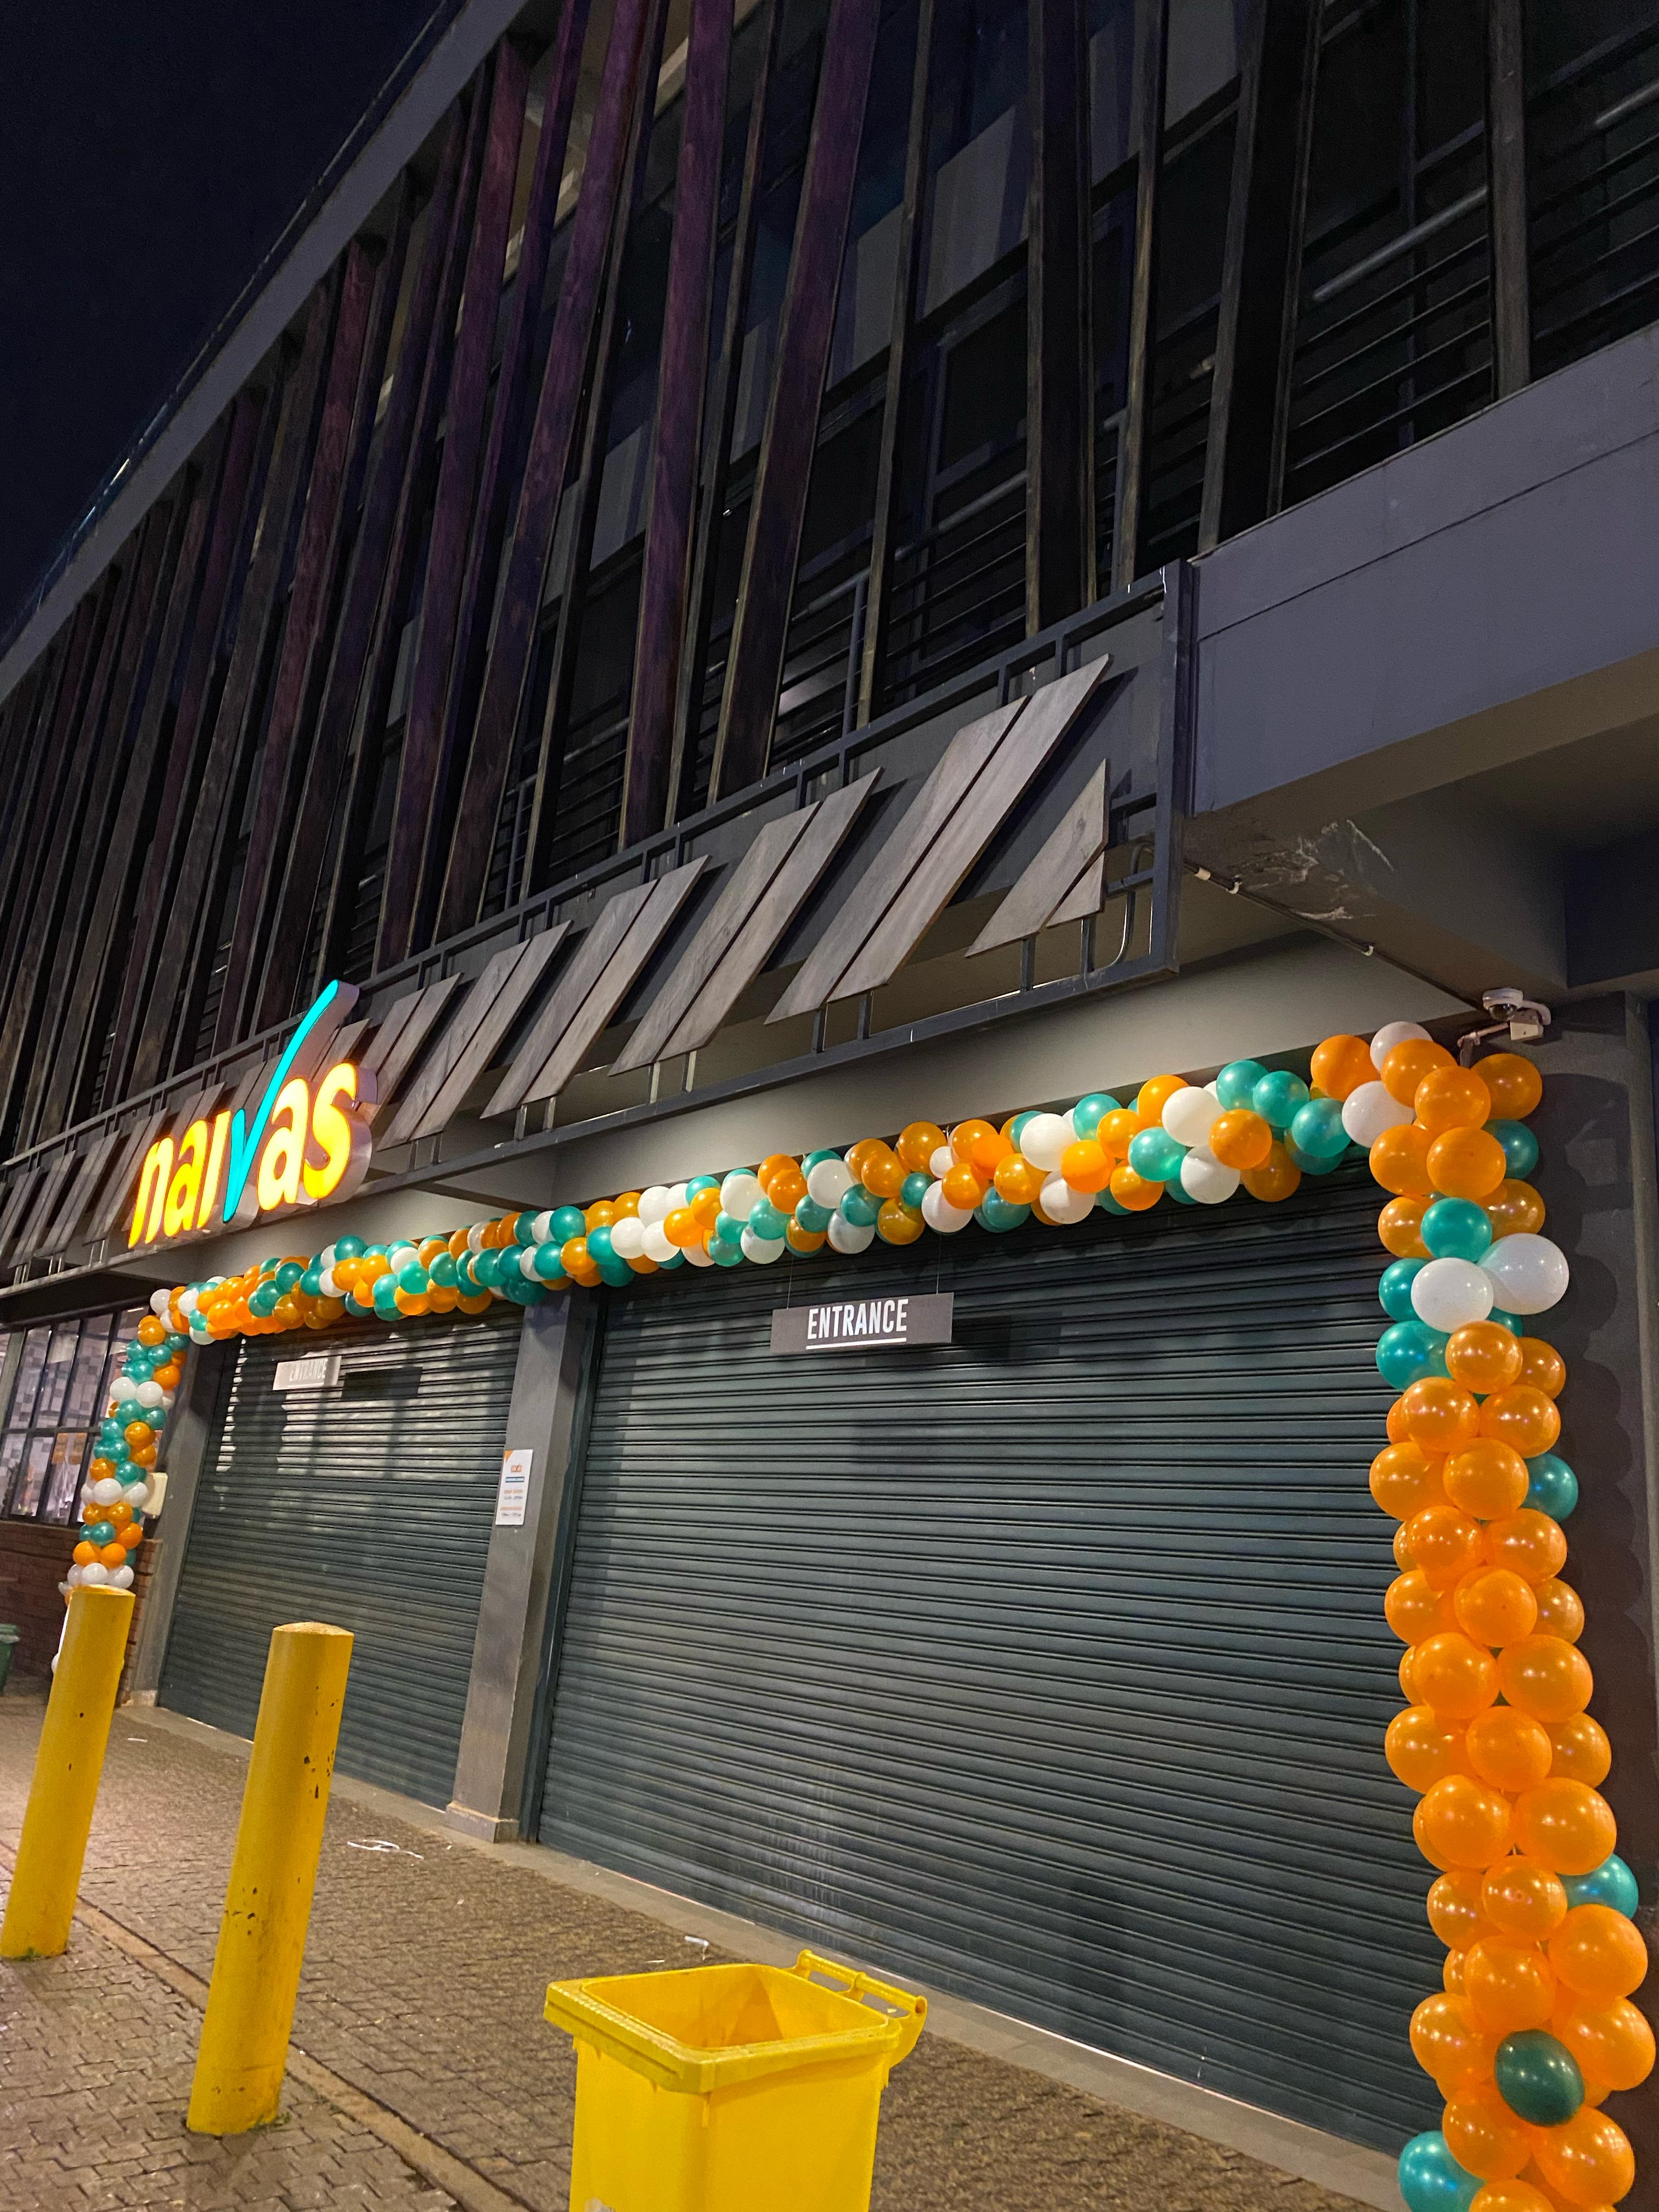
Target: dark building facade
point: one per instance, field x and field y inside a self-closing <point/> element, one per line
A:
<point x="571" y="609"/>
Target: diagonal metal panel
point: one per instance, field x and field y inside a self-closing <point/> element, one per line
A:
<point x="1071" y="860"/>
<point x="19" y="1201"/>
<point x="474" y="1035"/>
<point x="609" y="927"/>
<point x="44" y="1204"/>
<point x="112" y="1199"/>
<point x="79" y="1195"/>
<point x="390" y="1058"/>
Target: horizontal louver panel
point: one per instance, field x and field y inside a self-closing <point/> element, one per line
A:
<point x="1050" y="1665"/>
<point x="367" y="1505"/>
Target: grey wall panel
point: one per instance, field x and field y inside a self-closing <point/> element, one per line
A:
<point x="1049" y="1665"/>
<point x="369" y="1504"/>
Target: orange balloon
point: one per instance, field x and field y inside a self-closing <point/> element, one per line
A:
<point x="1395" y="1424"/>
<point x="1405" y="1069"/>
<point x="896" y="1224"/>
<point x="963" y="1139"/>
<point x="1560" y="1610"/>
<point x="1454" y="1675"/>
<point x="1018" y="1180"/>
<point x="1509" y="1986"/>
<point x="1515" y="1084"/>
<point x="1133" y="1191"/>
<point x="1454" y="1913"/>
<point x="704" y="1207"/>
<point x="85" y="1554"/>
<point x="1402" y="1550"/>
<point x="1399" y="1225"/>
<point x="917" y="1142"/>
<point x="1085" y="1166"/>
<point x="1278" y="1177"/>
<point x="1528" y="1542"/>
<point x="1408" y="1689"/>
<point x="144" y="1455"/>
<point x="1611" y="2042"/>
<point x="1514" y="1206"/>
<point x="1118" y="1131"/>
<point x="1153" y="1096"/>
<point x="1542" y="1367"/>
<point x="1421" y="1747"/>
<point x="1566" y="1824"/>
<point x="963" y="1189"/>
<point x="856" y="1154"/>
<point x="600" y="1214"/>
<point x="1451" y="1973"/>
<point x="769" y="1167"/>
<point x="788" y="1188"/>
<point x="1483" y="1356"/>
<point x="479" y="1301"/>
<point x="138" y="1433"/>
<point x="1487" y="1479"/>
<point x="1482" y="2134"/>
<point x="1583" y="1751"/>
<point x="1446" y="2043"/>
<point x="1511" y="2197"/>
<point x="1445" y="1544"/>
<point x="804" y="1240"/>
<point x="1452" y="1098"/>
<point x="1414" y="1609"/>
<point x="131" y="1536"/>
<point x="113" y="1555"/>
<point x="1440" y="1415"/>
<point x="1405" y="1479"/>
<point x="1509" y="1750"/>
<point x="1546" y="1677"/>
<point x="1466" y="1164"/>
<point x="1522" y="1417"/>
<point x="681" y="1226"/>
<point x="1588" y="2159"/>
<point x="168" y="1375"/>
<point x="1399" y="1161"/>
<point x="1461" y="1822"/>
<point x="884" y="1171"/>
<point x="151" y="1331"/>
<point x="119" y="1516"/>
<point x="1241" y="1139"/>
<point x="1598" y="1953"/>
<point x="1524" y="1899"/>
<point x="1340" y="1065"/>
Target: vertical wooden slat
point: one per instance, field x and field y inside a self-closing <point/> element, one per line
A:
<point x="421" y="771"/>
<point x="680" y="392"/>
<point x="552" y="439"/>
<point x="1262" y="264"/>
<point x="24" y="777"/>
<point x="18" y="738"/>
<point x="1152" y="54"/>
<point x="315" y="565"/>
<point x="1506" y="194"/>
<point x="911" y="237"/>
<point x="1059" y="419"/>
<point x="172" y="823"/>
<point x="722" y="419"/>
<point x="779" y="507"/>
<point x="501" y="457"/>
<point x="336" y="713"/>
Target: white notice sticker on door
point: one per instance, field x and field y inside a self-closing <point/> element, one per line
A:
<point x="514" y="1493"/>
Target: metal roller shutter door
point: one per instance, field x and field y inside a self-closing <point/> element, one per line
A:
<point x="1050" y="1665"/>
<point x="369" y="1504"/>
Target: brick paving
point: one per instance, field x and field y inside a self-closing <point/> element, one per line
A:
<point x="422" y="1988"/>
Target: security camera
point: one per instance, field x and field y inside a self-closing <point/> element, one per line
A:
<point x="1523" y="1020"/>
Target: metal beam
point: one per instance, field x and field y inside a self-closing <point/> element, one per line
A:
<point x="1151" y="55"/>
<point x="1059" y="416"/>
<point x="1506" y="197"/>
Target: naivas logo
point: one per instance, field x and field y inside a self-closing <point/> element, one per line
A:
<point x="307" y="1141"/>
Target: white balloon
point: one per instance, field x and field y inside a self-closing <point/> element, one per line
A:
<point x="763" y="1250"/>
<point x="696" y="1256"/>
<point x="326" y="1284"/>
<point x="167" y="1397"/>
<point x="940" y="1162"/>
<point x="1529" y="1273"/>
<point x="107" y="1493"/>
<point x="527" y="1264"/>
<point x="474" y="1236"/>
<point x="655" y="1204"/>
<point x="1391" y="1033"/>
<point x="400" y="1257"/>
<point x="1203" y="1177"/>
<point x="740" y="1194"/>
<point x="827" y="1184"/>
<point x="543" y="1226"/>
<point x="845" y="1236"/>
<point x="676" y="1199"/>
<point x="138" y="1496"/>
<point x="158" y="1303"/>
<point x="95" y="1573"/>
<point x="1370" y="1109"/>
<point x="187" y="1301"/>
<point x="1063" y="1204"/>
<point x="627" y="1237"/>
<point x="150" y="1394"/>
<point x="71" y="1581"/>
<point x="1449" y="1294"/>
<point x="658" y="1245"/>
<point x="120" y="1577"/>
<point x="1044" y="1139"/>
<point x="1189" y="1115"/>
<point x="939" y="1214"/>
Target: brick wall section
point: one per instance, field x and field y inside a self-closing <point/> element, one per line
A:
<point x="34" y="1558"/>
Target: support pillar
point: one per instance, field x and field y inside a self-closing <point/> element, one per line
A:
<point x="192" y="1436"/>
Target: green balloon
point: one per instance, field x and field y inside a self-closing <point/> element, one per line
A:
<point x="568" y="1221"/>
<point x="912" y="1190"/>
<point x="1538" y="2078"/>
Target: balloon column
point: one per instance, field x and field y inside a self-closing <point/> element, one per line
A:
<point x="1533" y="2027"/>
<point x="118" y="1489"/>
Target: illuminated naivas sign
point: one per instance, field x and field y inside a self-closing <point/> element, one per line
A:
<point x="307" y="1141"/>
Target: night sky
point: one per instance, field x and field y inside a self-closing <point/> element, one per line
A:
<point x="150" y="155"/>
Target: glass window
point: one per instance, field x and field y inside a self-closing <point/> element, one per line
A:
<point x="65" y="1373"/>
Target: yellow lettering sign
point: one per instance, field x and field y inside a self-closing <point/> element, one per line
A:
<point x="283" y="1156"/>
<point x="152" y="1192"/>
<point x="184" y="1191"/>
<point x="341" y="1138"/>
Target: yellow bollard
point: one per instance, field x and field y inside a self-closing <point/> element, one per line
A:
<point x="67" y="1768"/>
<point x="262" y="1938"/>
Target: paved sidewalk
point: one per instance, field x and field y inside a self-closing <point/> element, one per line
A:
<point x="424" y="1976"/>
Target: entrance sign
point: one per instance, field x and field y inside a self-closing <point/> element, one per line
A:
<point x="854" y="1324"/>
<point x="319" y="1372"/>
<point x="513" y="1495"/>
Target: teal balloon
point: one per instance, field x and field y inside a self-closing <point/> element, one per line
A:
<point x="729" y="1229"/>
<point x="815" y="1218"/>
<point x="385" y="1295"/>
<point x="812" y="1159"/>
<point x="616" y="1273"/>
<point x="1017" y="1126"/>
<point x="1431" y="2180"/>
<point x="1538" y="2078"/>
<point x="548" y="1263"/>
<point x="289" y="1274"/>
<point x="1611" y="1883"/>
<point x="311" y="1282"/>
<point x="765" y="1220"/>
<point x="912" y="1190"/>
<point x="173" y="1342"/>
<point x="996" y="1213"/>
<point x="724" y="1255"/>
<point x="1554" y="1486"/>
<point x="264" y="1301"/>
<point x="1155" y="1155"/>
<point x="1310" y="1162"/>
<point x="1107" y="1204"/>
<point x="1520" y="1145"/>
<point x="1395" y="1289"/>
<point x="466" y="1280"/>
<point x="568" y="1221"/>
<point x="101" y="1532"/>
<point x="1179" y="1192"/>
<point x="1236" y="1085"/>
<point x="1409" y="1351"/>
<point x="859" y="1206"/>
<point x="348" y="1247"/>
<point x="600" y="1248"/>
<point x="526" y="1293"/>
<point x="1513" y="1323"/>
<point x="1089" y="1113"/>
<point x="414" y="1279"/>
<point x="443" y="1270"/>
<point x="674" y="1260"/>
<point x="1280" y="1097"/>
<point x="1456" y="1228"/>
<point x="377" y="1251"/>
<point x="1317" y="1129"/>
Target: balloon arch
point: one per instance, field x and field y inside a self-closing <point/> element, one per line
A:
<point x="1535" y="2027"/>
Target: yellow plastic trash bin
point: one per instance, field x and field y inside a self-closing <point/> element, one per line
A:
<point x="731" y="2088"/>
